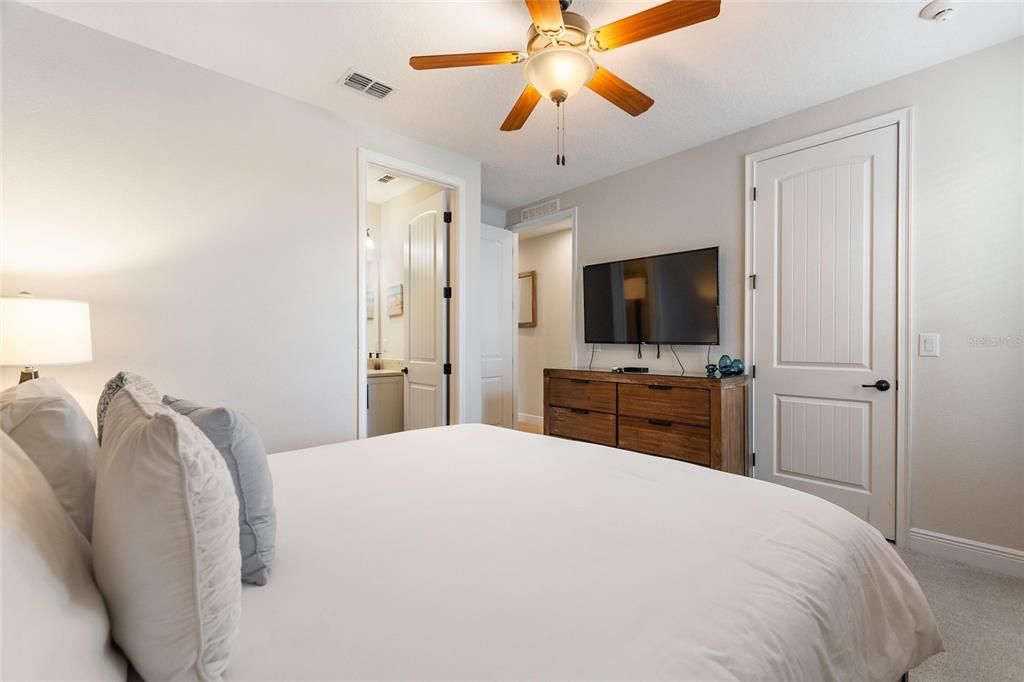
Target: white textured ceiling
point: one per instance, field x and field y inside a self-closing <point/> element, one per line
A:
<point x="379" y="192"/>
<point x="755" y="62"/>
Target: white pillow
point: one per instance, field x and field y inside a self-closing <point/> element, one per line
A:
<point x="55" y="623"/>
<point x="165" y="541"/>
<point x="54" y="432"/>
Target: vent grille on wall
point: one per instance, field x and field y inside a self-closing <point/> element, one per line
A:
<point x="366" y="85"/>
<point x="385" y="179"/>
<point x="538" y="211"/>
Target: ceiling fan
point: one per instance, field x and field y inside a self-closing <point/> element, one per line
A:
<point x="558" y="61"/>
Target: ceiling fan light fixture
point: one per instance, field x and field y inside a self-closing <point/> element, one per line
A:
<point x="559" y="72"/>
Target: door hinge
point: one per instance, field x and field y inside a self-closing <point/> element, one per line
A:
<point x="754" y="193"/>
<point x="753" y="281"/>
<point x="447" y="292"/>
<point x="447" y="216"/>
<point x="753" y="459"/>
<point x="753" y="371"/>
<point x="447" y="368"/>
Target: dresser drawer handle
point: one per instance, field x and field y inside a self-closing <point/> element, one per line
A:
<point x="655" y="387"/>
<point x="580" y="381"/>
<point x="576" y="410"/>
<point x="659" y="422"/>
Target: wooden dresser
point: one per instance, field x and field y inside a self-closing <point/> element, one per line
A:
<point x="690" y="418"/>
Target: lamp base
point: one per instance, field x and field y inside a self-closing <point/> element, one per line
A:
<point x="28" y="374"/>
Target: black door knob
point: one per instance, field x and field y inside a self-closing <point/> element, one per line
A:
<point x="881" y="385"/>
<point x="405" y="370"/>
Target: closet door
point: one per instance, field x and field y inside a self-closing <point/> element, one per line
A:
<point x="825" y="254"/>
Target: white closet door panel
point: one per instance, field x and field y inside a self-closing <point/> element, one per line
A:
<point x="825" y="266"/>
<point x="825" y="322"/>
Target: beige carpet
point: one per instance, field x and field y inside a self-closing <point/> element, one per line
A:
<point x="981" y="618"/>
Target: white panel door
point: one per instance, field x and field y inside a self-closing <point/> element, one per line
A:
<point x="424" y="323"/>
<point x="825" y="242"/>
<point x="498" y="325"/>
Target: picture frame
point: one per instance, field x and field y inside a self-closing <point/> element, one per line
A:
<point x="528" y="299"/>
<point x="395" y="300"/>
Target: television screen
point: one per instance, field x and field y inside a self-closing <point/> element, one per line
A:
<point x="670" y="299"/>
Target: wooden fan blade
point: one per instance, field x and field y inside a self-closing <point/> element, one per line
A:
<point x="449" y="61"/>
<point x="522" y="109"/>
<point x="655" y="21"/>
<point x="619" y="92"/>
<point x="546" y="15"/>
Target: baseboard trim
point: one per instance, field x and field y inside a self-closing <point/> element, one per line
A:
<point x="995" y="558"/>
<point x="531" y="419"/>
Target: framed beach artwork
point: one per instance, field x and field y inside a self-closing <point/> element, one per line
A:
<point x="395" y="301"/>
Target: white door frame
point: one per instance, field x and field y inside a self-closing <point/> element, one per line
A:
<point x="457" y="255"/>
<point x="901" y="118"/>
<point x="576" y="293"/>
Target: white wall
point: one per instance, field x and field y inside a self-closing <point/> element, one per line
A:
<point x="549" y="344"/>
<point x="967" y="259"/>
<point x="395" y="216"/>
<point x="211" y="224"/>
<point x="492" y="215"/>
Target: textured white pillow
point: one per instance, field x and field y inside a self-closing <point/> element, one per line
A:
<point x="54" y="432"/>
<point x="165" y="541"/>
<point x="55" y="623"/>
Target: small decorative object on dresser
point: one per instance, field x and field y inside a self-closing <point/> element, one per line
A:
<point x="701" y="420"/>
<point x="730" y="367"/>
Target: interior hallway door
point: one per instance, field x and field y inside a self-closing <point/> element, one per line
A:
<point x="425" y="315"/>
<point x="825" y="325"/>
<point x="498" y="326"/>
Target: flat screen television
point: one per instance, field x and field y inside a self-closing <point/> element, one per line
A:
<point x="669" y="299"/>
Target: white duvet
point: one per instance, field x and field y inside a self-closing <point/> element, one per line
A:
<point x="475" y="552"/>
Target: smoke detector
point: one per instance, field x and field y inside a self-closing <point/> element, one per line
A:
<point x="937" y="10"/>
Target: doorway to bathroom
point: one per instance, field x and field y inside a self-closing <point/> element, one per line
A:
<point x="408" y="238"/>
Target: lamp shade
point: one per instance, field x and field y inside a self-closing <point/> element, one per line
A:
<point x="44" y="331"/>
<point x="559" y="72"/>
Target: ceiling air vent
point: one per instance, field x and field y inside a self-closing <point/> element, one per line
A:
<point x="385" y="179"/>
<point x="366" y="85"/>
<point x="538" y="211"/>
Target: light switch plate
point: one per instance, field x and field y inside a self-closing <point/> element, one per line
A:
<point x="928" y="345"/>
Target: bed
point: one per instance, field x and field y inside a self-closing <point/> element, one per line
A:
<point x="473" y="552"/>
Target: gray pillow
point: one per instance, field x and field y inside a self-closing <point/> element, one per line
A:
<point x="240" y="445"/>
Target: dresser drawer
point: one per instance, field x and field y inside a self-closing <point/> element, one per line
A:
<point x="593" y="427"/>
<point x="668" y="439"/>
<point x="675" y="404"/>
<point x="582" y="394"/>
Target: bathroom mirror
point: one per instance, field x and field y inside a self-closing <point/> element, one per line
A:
<point x="528" y="299"/>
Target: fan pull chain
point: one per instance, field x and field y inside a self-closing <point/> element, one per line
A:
<point x="559" y="134"/>
<point x="563" y="133"/>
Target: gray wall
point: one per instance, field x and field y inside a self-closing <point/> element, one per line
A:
<point x="211" y="224"/>
<point x="492" y="215"/>
<point x="549" y="344"/>
<point x="967" y="258"/>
